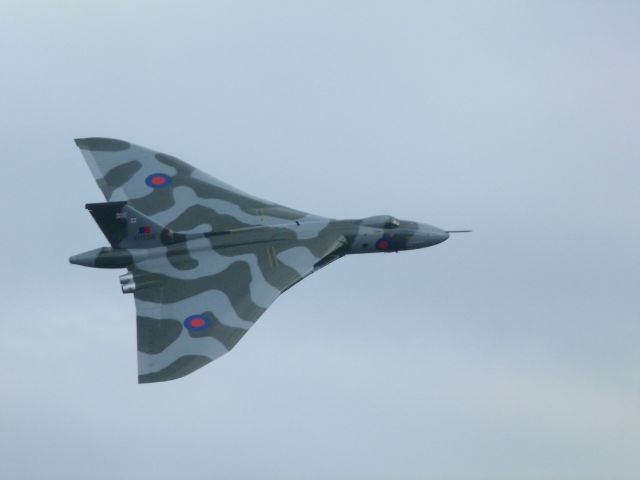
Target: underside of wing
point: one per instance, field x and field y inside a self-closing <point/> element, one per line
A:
<point x="196" y="302"/>
<point x="173" y="193"/>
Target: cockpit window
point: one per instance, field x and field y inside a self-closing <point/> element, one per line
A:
<point x="381" y="221"/>
<point x="392" y="223"/>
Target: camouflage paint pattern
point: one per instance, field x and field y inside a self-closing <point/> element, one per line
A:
<point x="206" y="260"/>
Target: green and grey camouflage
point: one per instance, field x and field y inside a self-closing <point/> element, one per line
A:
<point x="206" y="260"/>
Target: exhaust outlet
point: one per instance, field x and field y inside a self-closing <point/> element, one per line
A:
<point x="128" y="285"/>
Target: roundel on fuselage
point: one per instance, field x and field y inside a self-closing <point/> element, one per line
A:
<point x="383" y="244"/>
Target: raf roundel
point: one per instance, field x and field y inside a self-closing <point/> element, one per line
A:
<point x="158" y="180"/>
<point x="382" y="244"/>
<point x="197" y="323"/>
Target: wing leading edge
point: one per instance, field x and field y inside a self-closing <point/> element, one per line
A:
<point x="199" y="305"/>
<point x="175" y="194"/>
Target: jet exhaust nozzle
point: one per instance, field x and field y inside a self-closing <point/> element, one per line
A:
<point x="127" y="283"/>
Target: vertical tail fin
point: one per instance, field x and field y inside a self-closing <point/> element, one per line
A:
<point x="125" y="227"/>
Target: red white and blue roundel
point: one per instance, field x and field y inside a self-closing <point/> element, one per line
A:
<point x="158" y="180"/>
<point x="197" y="323"/>
<point x="382" y="244"/>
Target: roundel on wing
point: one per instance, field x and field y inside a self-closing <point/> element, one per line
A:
<point x="197" y="323"/>
<point x="158" y="180"/>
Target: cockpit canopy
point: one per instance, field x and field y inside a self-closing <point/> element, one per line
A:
<point x="381" y="221"/>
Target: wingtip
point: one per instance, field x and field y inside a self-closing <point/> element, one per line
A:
<point x="102" y="144"/>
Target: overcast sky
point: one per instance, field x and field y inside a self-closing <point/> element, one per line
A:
<point x="512" y="352"/>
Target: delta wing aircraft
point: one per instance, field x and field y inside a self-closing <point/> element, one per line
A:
<point x="206" y="260"/>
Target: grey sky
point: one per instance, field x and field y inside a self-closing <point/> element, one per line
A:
<point x="512" y="352"/>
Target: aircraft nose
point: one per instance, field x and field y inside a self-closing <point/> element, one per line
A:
<point x="427" y="236"/>
<point x="436" y="235"/>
